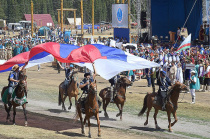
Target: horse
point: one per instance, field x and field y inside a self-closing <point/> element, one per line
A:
<point x="91" y="109"/>
<point x="72" y="91"/>
<point x="119" y="99"/>
<point x="20" y="92"/>
<point x="171" y="104"/>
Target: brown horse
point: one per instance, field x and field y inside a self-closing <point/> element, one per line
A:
<point x="20" y="91"/>
<point x="119" y="99"/>
<point x="91" y="109"/>
<point x="171" y="105"/>
<point x="72" y="91"/>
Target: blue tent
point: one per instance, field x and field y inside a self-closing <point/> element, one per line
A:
<point x="42" y="30"/>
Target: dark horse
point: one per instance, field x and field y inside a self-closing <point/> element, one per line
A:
<point x="91" y="109"/>
<point x="171" y="105"/>
<point x="20" y="91"/>
<point x="72" y="91"/>
<point x="119" y="99"/>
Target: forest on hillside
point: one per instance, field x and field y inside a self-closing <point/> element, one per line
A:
<point x="14" y="10"/>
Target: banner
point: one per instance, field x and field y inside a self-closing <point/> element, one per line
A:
<point x="120" y="15"/>
<point x="67" y="36"/>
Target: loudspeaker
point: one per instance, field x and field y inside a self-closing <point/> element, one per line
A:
<point x="143" y="19"/>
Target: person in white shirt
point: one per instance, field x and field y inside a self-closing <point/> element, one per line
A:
<point x="193" y="85"/>
<point x="179" y="74"/>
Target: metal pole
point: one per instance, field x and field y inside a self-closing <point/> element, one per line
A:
<point x="129" y="17"/>
<point x="117" y="1"/>
<point x="149" y="23"/>
<point x="81" y="16"/>
<point x="92" y="17"/>
<point x="123" y="1"/>
<point x="32" y="18"/>
<point x="62" y="15"/>
<point x="59" y="19"/>
<point x="139" y="17"/>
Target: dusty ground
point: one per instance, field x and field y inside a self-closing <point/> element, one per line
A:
<point x="194" y="120"/>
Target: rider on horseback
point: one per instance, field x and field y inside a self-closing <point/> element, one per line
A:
<point x="84" y="85"/>
<point x="163" y="82"/>
<point x="113" y="88"/>
<point x="14" y="80"/>
<point x="68" y="73"/>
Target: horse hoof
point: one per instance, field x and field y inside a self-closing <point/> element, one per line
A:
<point x="99" y="135"/>
<point x="145" y="123"/>
<point x="157" y="127"/>
<point x="89" y="136"/>
<point x="69" y="108"/>
<point x="170" y="130"/>
<point x="118" y="115"/>
<point x="14" y="124"/>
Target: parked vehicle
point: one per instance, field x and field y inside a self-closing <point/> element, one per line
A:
<point x="15" y="26"/>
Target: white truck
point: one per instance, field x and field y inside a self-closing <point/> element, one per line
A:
<point x="15" y="26"/>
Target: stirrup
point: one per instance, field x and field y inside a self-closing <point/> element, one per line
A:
<point x="163" y="108"/>
<point x="112" y="101"/>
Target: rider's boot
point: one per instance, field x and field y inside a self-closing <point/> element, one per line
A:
<point x="9" y="98"/>
<point x="163" y="104"/>
<point x="111" y="90"/>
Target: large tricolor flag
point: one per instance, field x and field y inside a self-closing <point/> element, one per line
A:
<point x="40" y="54"/>
<point x="108" y="61"/>
<point x="185" y="44"/>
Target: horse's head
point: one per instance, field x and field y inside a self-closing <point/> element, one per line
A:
<point x="124" y="80"/>
<point x="74" y="77"/>
<point x="93" y="87"/>
<point x="180" y="87"/>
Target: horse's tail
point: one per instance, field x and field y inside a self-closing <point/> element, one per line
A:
<point x="144" y="106"/>
<point x="59" y="98"/>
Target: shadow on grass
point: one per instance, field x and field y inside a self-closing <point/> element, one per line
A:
<point x="107" y="119"/>
<point x="56" y="110"/>
<point x="71" y="134"/>
<point x="146" y="129"/>
<point x="142" y="86"/>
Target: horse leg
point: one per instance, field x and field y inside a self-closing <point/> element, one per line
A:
<point x="155" y="118"/>
<point x="119" y="109"/>
<point x="70" y="103"/>
<point x="169" y="121"/>
<point x="14" y="113"/>
<point x="175" y="117"/>
<point x="89" y="133"/>
<point x="76" y="97"/>
<point x="80" y="116"/>
<point x="105" y="103"/>
<point x="24" y="111"/>
<point x="8" y="112"/>
<point x="63" y="100"/>
<point x="98" y="122"/>
<point x="148" y="110"/>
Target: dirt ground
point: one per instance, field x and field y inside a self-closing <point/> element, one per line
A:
<point x="43" y="89"/>
<point x="42" y="126"/>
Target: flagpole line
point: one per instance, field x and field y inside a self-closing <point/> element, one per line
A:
<point x="94" y="70"/>
<point x="187" y="18"/>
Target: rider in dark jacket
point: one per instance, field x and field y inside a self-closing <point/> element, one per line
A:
<point x="163" y="82"/>
<point x="68" y="74"/>
<point x="113" y="88"/>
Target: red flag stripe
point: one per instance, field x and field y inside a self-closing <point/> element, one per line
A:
<point x="187" y="44"/>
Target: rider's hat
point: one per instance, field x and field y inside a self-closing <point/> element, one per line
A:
<point x="15" y="67"/>
<point x="86" y="74"/>
<point x="71" y="66"/>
